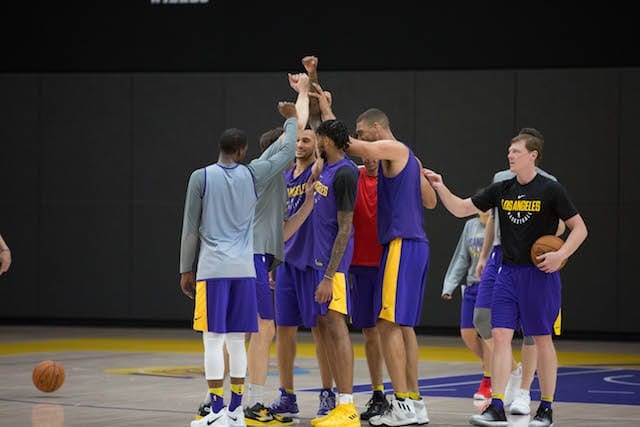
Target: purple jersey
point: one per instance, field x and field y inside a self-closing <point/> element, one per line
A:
<point x="400" y="204"/>
<point x="331" y="196"/>
<point x="298" y="250"/>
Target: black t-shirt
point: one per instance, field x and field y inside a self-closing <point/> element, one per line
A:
<point x="526" y="213"/>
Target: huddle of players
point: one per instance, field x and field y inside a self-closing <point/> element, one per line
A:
<point x="313" y="287"/>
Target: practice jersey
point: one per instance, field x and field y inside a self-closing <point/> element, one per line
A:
<point x="298" y="250"/>
<point x="335" y="190"/>
<point x="502" y="176"/>
<point x="400" y="203"/>
<point x="366" y="248"/>
<point x="526" y="212"/>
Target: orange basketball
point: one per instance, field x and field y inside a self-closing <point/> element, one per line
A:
<point x="544" y="244"/>
<point x="48" y="376"/>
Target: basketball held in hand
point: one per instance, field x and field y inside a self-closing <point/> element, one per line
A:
<point x="544" y="244"/>
<point x="48" y="376"/>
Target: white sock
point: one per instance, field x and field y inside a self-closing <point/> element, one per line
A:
<point x="254" y="394"/>
<point x="344" y="398"/>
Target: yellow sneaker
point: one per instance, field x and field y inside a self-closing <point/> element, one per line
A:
<point x="344" y="415"/>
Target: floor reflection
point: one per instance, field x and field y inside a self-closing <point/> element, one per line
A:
<point x="47" y="415"/>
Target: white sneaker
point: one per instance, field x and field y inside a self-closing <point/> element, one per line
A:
<point x="513" y="385"/>
<point x="400" y="413"/>
<point x="214" y="419"/>
<point x="236" y="417"/>
<point x="422" y="416"/>
<point x="521" y="403"/>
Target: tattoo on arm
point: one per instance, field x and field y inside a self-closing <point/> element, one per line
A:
<point x="345" y="220"/>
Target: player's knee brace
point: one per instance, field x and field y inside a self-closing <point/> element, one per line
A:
<point x="482" y="322"/>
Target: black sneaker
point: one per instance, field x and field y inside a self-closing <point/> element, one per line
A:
<point x="493" y="416"/>
<point x="375" y="406"/>
<point x="543" y="418"/>
<point x="203" y="410"/>
<point x="259" y="415"/>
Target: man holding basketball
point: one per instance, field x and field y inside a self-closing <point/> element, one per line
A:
<point x="529" y="206"/>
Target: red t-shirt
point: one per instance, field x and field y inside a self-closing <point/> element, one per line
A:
<point x="367" y="251"/>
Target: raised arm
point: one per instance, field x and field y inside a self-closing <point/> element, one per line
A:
<point x="301" y="84"/>
<point x="384" y="149"/>
<point x="266" y="166"/>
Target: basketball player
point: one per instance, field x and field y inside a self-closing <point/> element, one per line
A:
<point x="219" y="214"/>
<point x="529" y="206"/>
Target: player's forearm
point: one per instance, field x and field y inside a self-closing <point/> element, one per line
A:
<point x="340" y="242"/>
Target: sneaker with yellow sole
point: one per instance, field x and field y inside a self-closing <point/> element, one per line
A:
<point x="344" y="415"/>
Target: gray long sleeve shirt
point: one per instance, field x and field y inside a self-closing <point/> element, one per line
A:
<point x="227" y="240"/>
<point x="462" y="267"/>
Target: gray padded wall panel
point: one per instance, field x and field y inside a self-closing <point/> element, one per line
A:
<point x="629" y="232"/>
<point x="19" y="163"/>
<point x="578" y="112"/>
<point x="393" y="92"/>
<point x="589" y="288"/>
<point x="462" y="122"/>
<point x="85" y="225"/>
<point x="177" y="121"/>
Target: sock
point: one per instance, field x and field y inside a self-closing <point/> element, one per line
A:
<point x="402" y="396"/>
<point x="497" y="400"/>
<point x="487" y="376"/>
<point x="237" y="390"/>
<point x="217" y="402"/>
<point x="255" y="394"/>
<point x="288" y="391"/>
<point x="378" y="392"/>
<point x="546" y="401"/>
<point x="344" y="398"/>
<point x="414" y="395"/>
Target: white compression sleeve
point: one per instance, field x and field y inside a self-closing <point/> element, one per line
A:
<point x="213" y="355"/>
<point x="237" y="354"/>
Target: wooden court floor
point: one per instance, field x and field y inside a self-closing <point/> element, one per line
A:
<point x="153" y="377"/>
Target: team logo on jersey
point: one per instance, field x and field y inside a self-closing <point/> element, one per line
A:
<point x="520" y="210"/>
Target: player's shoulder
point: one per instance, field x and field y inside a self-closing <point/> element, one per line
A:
<point x="503" y="175"/>
<point x="546" y="174"/>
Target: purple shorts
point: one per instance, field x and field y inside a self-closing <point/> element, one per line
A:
<point x="295" y="297"/>
<point x="365" y="308"/>
<point x="226" y="305"/>
<point x="485" y="289"/>
<point x="468" y="305"/>
<point x="403" y="276"/>
<point x="264" y="294"/>
<point x="526" y="296"/>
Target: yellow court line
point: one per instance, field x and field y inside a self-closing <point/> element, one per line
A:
<point x="426" y="353"/>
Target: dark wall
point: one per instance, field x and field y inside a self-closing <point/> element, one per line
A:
<point x="230" y="35"/>
<point x="95" y="167"/>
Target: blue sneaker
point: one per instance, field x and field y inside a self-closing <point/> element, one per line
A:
<point x="327" y="402"/>
<point x="285" y="405"/>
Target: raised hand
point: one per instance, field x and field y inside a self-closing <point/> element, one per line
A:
<point x="287" y="109"/>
